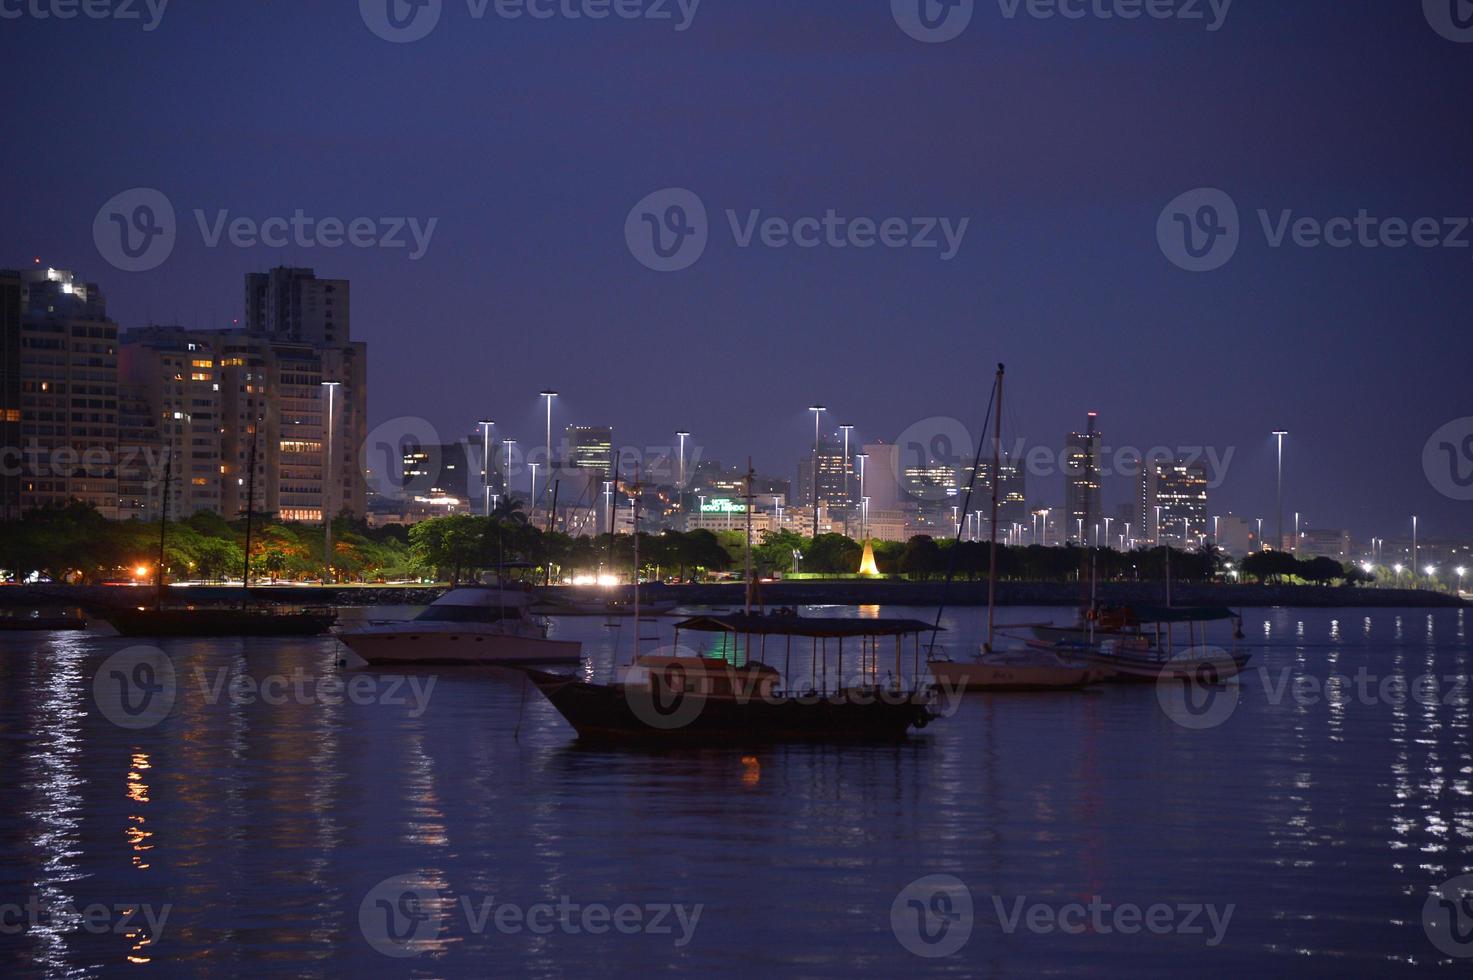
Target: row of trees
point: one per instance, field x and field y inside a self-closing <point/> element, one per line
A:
<point x="74" y="543"/>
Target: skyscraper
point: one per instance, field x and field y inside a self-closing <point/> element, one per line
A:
<point x="1082" y="481"/>
<point x="592" y="447"/>
<point x="10" y="442"/>
<point x="294" y="305"/>
<point x="1174" y="502"/>
<point x="68" y="392"/>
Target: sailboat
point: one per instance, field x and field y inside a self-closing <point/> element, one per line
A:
<point x="243" y="620"/>
<point x="1012" y="670"/>
<point x="740" y="699"/>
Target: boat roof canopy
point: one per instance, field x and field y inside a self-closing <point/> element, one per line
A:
<point x="804" y="626"/>
<point x="1183" y="614"/>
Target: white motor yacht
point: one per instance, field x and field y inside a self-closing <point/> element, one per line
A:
<point x="466" y="626"/>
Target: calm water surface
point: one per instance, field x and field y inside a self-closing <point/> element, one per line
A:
<point x="263" y="826"/>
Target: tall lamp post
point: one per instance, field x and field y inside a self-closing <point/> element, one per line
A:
<point x="486" y="426"/>
<point x="1279" y="435"/>
<point x="817" y="411"/>
<point x="848" y="500"/>
<point x="508" y="443"/>
<point x="549" y="395"/>
<point x="327" y="478"/>
<point x="863" y="460"/>
<point x="682" y="436"/>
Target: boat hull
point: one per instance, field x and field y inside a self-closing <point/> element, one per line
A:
<point x="982" y="676"/>
<point x="424" y="648"/>
<point x="217" y="622"/>
<point x="1075" y="634"/>
<point x="620" y="713"/>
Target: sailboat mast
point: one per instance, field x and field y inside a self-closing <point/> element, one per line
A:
<point x="748" y="572"/>
<point x="164" y="523"/>
<point x="996" y="484"/>
<point x="638" y="492"/>
<point x="245" y="578"/>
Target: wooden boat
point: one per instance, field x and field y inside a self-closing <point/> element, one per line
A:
<point x="1170" y="655"/>
<point x="1015" y="670"/>
<point x="738" y="698"/>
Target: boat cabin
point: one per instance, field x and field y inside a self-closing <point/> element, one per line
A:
<point x="709" y="676"/>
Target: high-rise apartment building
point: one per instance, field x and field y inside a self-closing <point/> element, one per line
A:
<point x="294" y="305"/>
<point x="11" y="453"/>
<point x="68" y="358"/>
<point x="1082" y="482"/>
<point x="175" y="372"/>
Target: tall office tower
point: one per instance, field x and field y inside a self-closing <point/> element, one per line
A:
<point x="1082" y="482"/>
<point x="831" y="468"/>
<point x="1174" y="502"/>
<point x="294" y="305"/>
<point x="178" y="378"/>
<point x="68" y="393"/>
<point x="10" y="441"/>
<point x="591" y="447"/>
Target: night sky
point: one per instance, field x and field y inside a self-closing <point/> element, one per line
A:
<point x="1061" y="140"/>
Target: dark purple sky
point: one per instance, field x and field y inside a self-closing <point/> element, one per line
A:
<point x="1061" y="140"/>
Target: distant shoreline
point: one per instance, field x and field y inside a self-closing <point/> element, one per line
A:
<point x="843" y="592"/>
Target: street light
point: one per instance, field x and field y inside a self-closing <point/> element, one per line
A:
<point x="549" y="395"/>
<point x="486" y="426"/>
<point x="848" y="500"/>
<point x="533" y="488"/>
<point x="817" y="411"/>
<point x="863" y="458"/>
<point x="682" y="436"/>
<point x="331" y="387"/>
<point x="1461" y="572"/>
<point x="1279" y="435"/>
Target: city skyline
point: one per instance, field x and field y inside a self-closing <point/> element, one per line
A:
<point x="1074" y="295"/>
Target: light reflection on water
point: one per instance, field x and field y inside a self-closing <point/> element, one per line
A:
<point x="1324" y="822"/>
